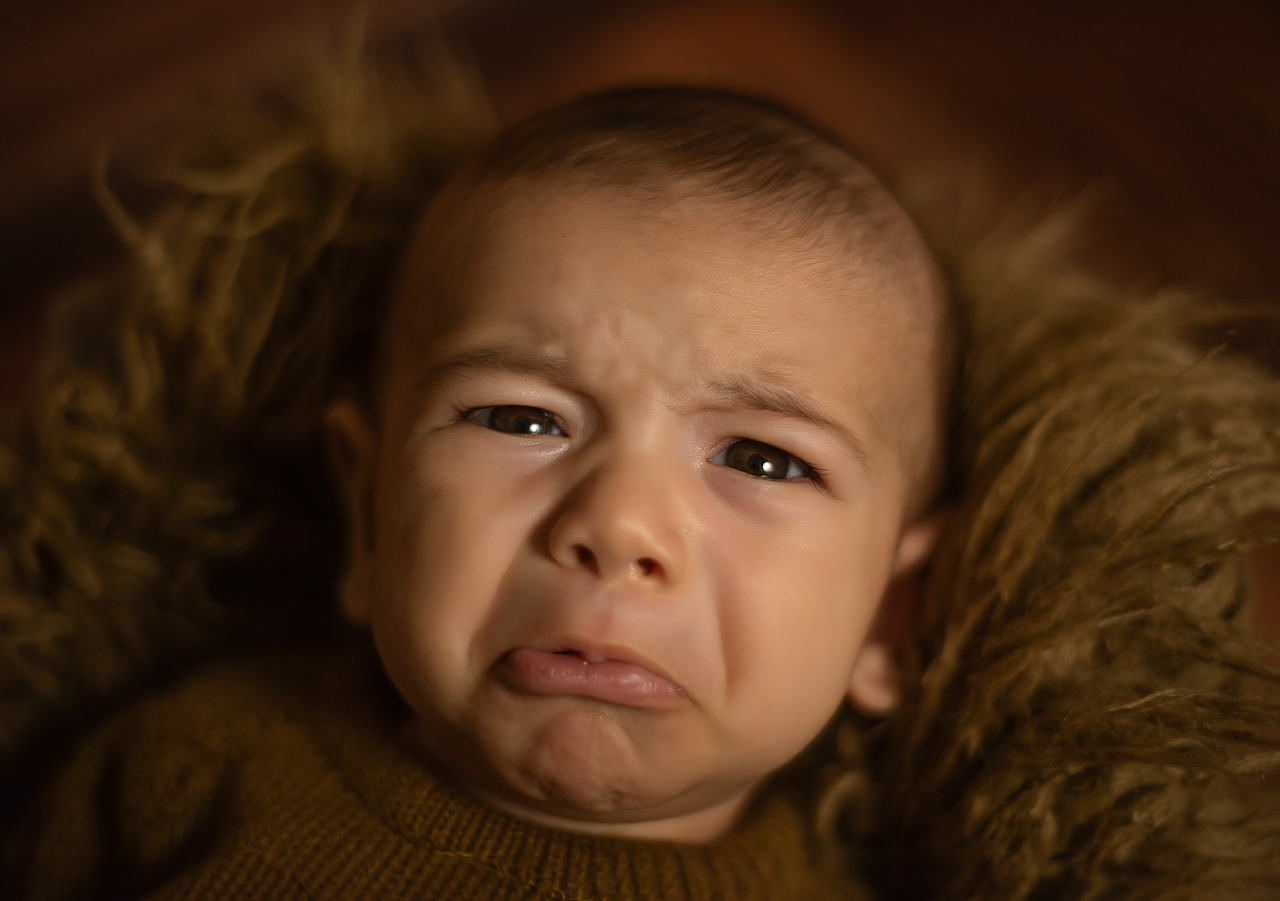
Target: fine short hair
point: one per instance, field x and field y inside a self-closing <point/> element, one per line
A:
<point x="710" y="143"/>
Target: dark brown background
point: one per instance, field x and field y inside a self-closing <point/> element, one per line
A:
<point x="1167" y="113"/>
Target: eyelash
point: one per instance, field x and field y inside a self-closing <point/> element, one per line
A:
<point x="810" y="473"/>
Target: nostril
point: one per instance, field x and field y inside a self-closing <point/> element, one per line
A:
<point x="587" y="559"/>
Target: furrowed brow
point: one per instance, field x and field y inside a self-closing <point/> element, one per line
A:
<point x="768" y="394"/>
<point x="501" y="359"/>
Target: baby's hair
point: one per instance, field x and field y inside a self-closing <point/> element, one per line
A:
<point x="668" y="142"/>
<point x="740" y="148"/>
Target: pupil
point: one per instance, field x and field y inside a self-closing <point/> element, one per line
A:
<point x="528" y="425"/>
<point x="762" y="465"/>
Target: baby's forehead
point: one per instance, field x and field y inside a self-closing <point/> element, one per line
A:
<point x="875" y="234"/>
<point x="477" y="225"/>
<point x="737" y="268"/>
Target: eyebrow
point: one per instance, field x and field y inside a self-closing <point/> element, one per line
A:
<point x="771" y="394"/>
<point x="502" y="359"/>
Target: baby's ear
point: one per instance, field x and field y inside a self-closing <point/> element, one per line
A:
<point x="875" y="687"/>
<point x="353" y="449"/>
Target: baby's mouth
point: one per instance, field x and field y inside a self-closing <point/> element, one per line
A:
<point x="584" y="656"/>
<point x="588" y="673"/>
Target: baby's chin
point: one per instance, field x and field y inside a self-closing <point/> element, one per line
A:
<point x="583" y="763"/>
<point x="582" y="770"/>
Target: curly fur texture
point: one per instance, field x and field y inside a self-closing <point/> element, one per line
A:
<point x="1091" y="718"/>
<point x="1087" y="722"/>
<point x="172" y="467"/>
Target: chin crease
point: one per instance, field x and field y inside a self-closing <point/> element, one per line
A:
<point x="581" y="794"/>
<point x="575" y="785"/>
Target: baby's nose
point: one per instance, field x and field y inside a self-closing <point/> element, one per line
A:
<point x="623" y="521"/>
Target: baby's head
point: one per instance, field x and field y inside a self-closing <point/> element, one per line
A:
<point x="657" y="425"/>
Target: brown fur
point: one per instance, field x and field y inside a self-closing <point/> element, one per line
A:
<point x="178" y="428"/>
<point x="1087" y="722"/>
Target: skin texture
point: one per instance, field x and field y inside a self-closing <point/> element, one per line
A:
<point x="560" y="465"/>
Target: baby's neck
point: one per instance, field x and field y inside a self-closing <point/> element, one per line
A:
<point x="696" y="827"/>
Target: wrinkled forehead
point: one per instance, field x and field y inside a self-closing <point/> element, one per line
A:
<point x="886" y="279"/>
<point x="471" y="219"/>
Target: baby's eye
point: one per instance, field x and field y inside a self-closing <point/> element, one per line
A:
<point x="514" y="420"/>
<point x="764" y="461"/>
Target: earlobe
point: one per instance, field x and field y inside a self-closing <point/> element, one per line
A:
<point x="352" y="454"/>
<point x="875" y="687"/>
<point x="918" y="540"/>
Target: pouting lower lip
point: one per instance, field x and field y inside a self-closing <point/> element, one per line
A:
<point x="588" y="674"/>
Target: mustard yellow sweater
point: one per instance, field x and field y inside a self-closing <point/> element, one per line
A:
<point x="285" y="779"/>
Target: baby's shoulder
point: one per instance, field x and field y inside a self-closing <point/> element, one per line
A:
<point x="158" y="785"/>
<point x="175" y="747"/>
<point x="178" y="745"/>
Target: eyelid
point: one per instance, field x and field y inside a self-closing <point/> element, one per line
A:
<point x="476" y="376"/>
<point x="770" y="393"/>
<point x="467" y="386"/>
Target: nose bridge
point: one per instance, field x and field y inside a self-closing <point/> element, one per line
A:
<point x="623" y="518"/>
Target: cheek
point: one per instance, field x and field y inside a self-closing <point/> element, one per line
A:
<point x="796" y="606"/>
<point x="448" y="533"/>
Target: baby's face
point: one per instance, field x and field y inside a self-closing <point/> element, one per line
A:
<point x="625" y="521"/>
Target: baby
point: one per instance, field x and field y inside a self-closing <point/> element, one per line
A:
<point x="657" y="427"/>
<point x="650" y="456"/>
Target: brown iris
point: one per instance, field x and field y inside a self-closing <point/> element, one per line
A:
<point x="761" y="460"/>
<point x="518" y="420"/>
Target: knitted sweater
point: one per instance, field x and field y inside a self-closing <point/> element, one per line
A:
<point x="285" y="779"/>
